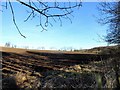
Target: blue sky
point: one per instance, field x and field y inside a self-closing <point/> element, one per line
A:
<point x="81" y="34"/>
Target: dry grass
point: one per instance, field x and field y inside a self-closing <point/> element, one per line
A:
<point x="20" y="51"/>
<point x="25" y="81"/>
<point x="13" y="50"/>
<point x="27" y="69"/>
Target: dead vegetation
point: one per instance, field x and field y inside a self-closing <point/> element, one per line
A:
<point x="41" y="70"/>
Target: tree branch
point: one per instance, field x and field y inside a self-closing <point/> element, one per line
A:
<point x="14" y="19"/>
<point x="45" y="12"/>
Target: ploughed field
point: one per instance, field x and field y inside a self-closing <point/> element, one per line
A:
<point x="46" y="65"/>
<point x="38" y="62"/>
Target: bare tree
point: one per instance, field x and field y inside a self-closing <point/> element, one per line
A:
<point x="44" y="11"/>
<point x="42" y="48"/>
<point x="110" y="15"/>
<point x="7" y="44"/>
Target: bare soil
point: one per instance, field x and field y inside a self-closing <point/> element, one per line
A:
<point x="39" y="63"/>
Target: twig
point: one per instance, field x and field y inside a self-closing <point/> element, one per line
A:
<point x="14" y="19"/>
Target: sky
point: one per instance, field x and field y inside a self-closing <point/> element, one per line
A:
<point x="82" y="33"/>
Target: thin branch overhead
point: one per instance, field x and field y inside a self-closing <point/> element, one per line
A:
<point x="45" y="11"/>
<point x="14" y="21"/>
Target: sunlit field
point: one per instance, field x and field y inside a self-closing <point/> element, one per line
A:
<point x="30" y="69"/>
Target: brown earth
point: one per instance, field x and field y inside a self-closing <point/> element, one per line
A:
<point x="40" y="63"/>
